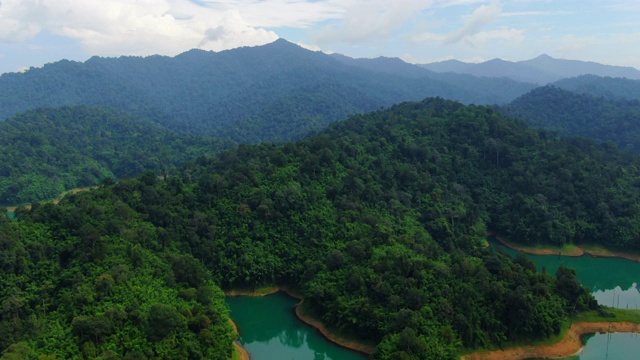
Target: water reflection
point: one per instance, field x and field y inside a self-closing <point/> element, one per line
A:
<point x="269" y="330"/>
<point x="613" y="281"/>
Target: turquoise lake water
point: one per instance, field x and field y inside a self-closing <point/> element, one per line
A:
<point x="613" y="282"/>
<point x="270" y="330"/>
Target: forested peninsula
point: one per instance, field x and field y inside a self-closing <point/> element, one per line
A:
<point x="378" y="221"/>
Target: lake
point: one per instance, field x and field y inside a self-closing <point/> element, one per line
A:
<point x="270" y="330"/>
<point x="613" y="282"/>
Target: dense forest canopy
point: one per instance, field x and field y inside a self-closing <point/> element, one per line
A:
<point x="604" y="119"/>
<point x="46" y="151"/>
<point x="379" y="221"/>
<point x="276" y="92"/>
<point x="615" y="88"/>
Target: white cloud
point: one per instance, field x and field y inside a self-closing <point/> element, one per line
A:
<point x="481" y="17"/>
<point x="371" y="20"/>
<point x="309" y="47"/>
<point x="282" y="13"/>
<point x="427" y="36"/>
<point x="512" y="35"/>
<point x="131" y="27"/>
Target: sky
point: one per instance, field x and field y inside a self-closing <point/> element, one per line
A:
<point x="36" y="32"/>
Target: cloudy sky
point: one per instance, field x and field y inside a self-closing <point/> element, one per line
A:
<point x="35" y="32"/>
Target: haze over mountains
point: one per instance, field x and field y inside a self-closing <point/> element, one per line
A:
<point x="541" y="70"/>
<point x="276" y="93"/>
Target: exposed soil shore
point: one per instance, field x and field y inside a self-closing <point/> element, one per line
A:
<point x="573" y="251"/>
<point x="254" y="293"/>
<point x="244" y="354"/>
<point x="349" y="344"/>
<point x="570" y="345"/>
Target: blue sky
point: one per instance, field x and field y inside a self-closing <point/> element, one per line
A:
<point x="36" y="32"/>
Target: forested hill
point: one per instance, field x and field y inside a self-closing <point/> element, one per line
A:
<point x="379" y="221"/>
<point x="580" y="114"/>
<point x="608" y="87"/>
<point x="275" y="92"/>
<point x="46" y="151"/>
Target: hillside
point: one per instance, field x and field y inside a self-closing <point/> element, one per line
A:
<point x="541" y="70"/>
<point x="608" y="87"/>
<point x="46" y="151"/>
<point x="276" y="92"/>
<point x="379" y="221"/>
<point x="598" y="118"/>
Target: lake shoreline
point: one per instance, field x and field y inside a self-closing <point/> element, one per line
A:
<point x="575" y="251"/>
<point x="315" y="323"/>
<point x="571" y="344"/>
<point x="349" y="344"/>
<point x="244" y="354"/>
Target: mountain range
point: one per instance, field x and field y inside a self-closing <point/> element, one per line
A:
<point x="541" y="70"/>
<point x="201" y="102"/>
<point x="275" y="92"/>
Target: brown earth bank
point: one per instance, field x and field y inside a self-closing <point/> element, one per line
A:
<point x="574" y="251"/>
<point x="349" y="344"/>
<point x="570" y="345"/>
<point x="250" y="292"/>
<point x="244" y="354"/>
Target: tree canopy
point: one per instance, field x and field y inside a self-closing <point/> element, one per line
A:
<point x="46" y="151"/>
<point x="379" y="221"/>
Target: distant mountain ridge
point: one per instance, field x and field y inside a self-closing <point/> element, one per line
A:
<point x="607" y="87"/>
<point x="541" y="70"/>
<point x="580" y="114"/>
<point x="275" y="92"/>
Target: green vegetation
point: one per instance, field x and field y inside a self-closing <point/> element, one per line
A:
<point x="47" y="151"/>
<point x="379" y="221"/>
<point x="276" y="92"/>
<point x="91" y="281"/>
<point x="615" y="88"/>
<point x="614" y="120"/>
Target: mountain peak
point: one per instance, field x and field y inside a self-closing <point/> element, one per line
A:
<point x="543" y="57"/>
<point x="283" y="43"/>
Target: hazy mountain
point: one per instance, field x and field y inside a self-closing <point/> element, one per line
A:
<point x="386" y="65"/>
<point x="541" y="70"/>
<point x="580" y="114"/>
<point x="455" y="66"/>
<point x="571" y="68"/>
<point x="609" y="87"/>
<point x="275" y="92"/>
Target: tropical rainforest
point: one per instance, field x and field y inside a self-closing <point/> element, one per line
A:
<point x="379" y="221"/>
<point x="276" y="92"/>
<point x="614" y="88"/>
<point x="46" y="151"/>
<point x="605" y="119"/>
